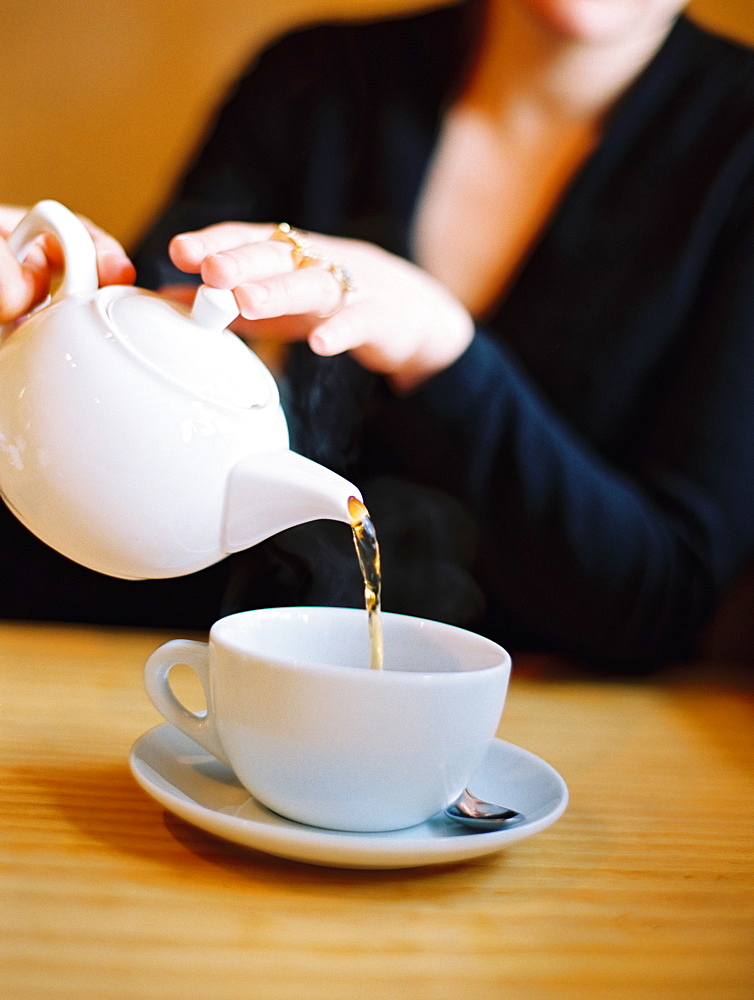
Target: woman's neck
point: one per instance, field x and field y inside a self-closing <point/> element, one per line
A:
<point x="530" y="69"/>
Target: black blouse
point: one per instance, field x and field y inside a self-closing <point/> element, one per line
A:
<point x="581" y="479"/>
<point x="601" y="426"/>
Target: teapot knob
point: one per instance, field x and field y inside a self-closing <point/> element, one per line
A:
<point x="214" y="308"/>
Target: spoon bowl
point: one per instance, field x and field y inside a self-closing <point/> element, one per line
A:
<point x="480" y="815"/>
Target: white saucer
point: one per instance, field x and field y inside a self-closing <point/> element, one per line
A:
<point x="194" y="785"/>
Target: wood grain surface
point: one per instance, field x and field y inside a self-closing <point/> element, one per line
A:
<point x="643" y="889"/>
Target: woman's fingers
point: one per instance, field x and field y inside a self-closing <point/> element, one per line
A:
<point x="338" y="334"/>
<point x="248" y="263"/>
<point x="270" y="277"/>
<point x="312" y="291"/>
<point x="189" y="250"/>
<point x="396" y="320"/>
<point x="22" y="286"/>
<point x="113" y="264"/>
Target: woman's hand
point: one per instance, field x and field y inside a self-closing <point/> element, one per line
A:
<point x="24" y="284"/>
<point x="396" y="320"/>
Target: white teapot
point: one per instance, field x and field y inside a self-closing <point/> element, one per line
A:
<point x="140" y="438"/>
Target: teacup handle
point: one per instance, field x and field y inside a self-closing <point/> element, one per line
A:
<point x="199" y="727"/>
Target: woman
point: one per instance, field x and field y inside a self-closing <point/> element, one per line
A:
<point x="544" y="209"/>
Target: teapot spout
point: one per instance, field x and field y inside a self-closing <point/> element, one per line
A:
<point x="273" y="491"/>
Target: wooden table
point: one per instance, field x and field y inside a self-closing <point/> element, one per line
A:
<point x="643" y="889"/>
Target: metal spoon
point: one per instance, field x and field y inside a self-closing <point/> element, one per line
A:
<point x="478" y="814"/>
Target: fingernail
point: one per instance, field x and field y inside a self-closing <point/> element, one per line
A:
<point x="184" y="239"/>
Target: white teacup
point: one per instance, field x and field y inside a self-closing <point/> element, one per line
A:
<point x="318" y="736"/>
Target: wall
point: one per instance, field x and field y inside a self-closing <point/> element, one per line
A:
<point x="100" y="102"/>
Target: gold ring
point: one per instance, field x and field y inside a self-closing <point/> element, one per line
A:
<point x="346" y="285"/>
<point x="301" y="250"/>
<point x="302" y="254"/>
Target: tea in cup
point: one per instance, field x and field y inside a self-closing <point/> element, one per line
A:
<point x="319" y="737"/>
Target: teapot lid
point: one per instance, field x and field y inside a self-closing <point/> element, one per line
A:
<point x="192" y="348"/>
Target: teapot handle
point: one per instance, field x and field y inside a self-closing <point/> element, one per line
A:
<point x="80" y="275"/>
